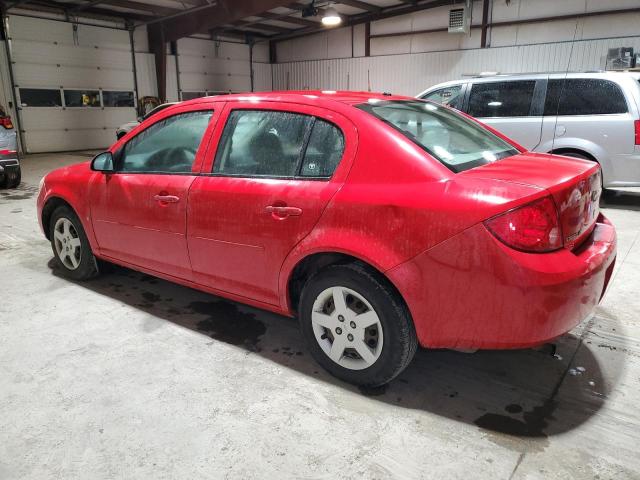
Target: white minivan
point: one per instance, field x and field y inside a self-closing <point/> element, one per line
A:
<point x="588" y="115"/>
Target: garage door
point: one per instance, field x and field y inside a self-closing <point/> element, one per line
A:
<point x="74" y="84"/>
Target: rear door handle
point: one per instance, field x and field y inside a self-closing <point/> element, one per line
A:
<point x="283" y="212"/>
<point x="166" y="198"/>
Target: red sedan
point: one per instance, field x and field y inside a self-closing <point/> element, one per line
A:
<point x="382" y="222"/>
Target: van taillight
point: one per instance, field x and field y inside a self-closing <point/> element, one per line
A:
<point x="6" y="122"/>
<point x="534" y="227"/>
<point x="637" y="124"/>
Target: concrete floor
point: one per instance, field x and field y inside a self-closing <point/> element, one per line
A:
<point x="127" y="376"/>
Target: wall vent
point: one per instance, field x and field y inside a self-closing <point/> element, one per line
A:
<point x="460" y="19"/>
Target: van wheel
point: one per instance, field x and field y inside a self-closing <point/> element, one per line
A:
<point x="584" y="157"/>
<point x="70" y="245"/>
<point x="356" y="327"/>
<point x="14" y="178"/>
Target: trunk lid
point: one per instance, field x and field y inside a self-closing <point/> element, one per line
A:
<point x="574" y="184"/>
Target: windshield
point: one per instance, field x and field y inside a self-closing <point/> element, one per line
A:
<point x="458" y="143"/>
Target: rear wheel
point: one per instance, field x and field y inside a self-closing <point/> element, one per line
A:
<point x="356" y="326"/>
<point x="70" y="245"/>
<point x="12" y="178"/>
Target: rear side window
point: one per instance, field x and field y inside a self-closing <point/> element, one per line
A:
<point x="168" y="146"/>
<point x="278" y="144"/>
<point x="451" y="96"/>
<point x="501" y="99"/>
<point x="583" y="96"/>
<point x="324" y="151"/>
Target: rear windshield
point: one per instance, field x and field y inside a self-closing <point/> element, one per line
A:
<point x="458" y="143"/>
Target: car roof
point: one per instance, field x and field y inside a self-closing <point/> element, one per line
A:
<point x="307" y="97"/>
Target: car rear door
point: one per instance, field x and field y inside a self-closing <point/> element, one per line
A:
<point x="139" y="212"/>
<point x="513" y="107"/>
<point x="272" y="168"/>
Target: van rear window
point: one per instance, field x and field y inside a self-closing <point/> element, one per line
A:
<point x="583" y="96"/>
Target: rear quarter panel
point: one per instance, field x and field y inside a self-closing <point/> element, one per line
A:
<point x="397" y="202"/>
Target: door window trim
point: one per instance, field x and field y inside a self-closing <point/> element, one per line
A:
<point x="301" y="155"/>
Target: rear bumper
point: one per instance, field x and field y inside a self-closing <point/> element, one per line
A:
<point x="472" y="291"/>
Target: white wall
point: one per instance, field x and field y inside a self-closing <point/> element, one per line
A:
<point x="408" y="64"/>
<point x="207" y="65"/>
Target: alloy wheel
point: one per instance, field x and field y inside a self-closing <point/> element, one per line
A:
<point x="67" y="243"/>
<point x="347" y="328"/>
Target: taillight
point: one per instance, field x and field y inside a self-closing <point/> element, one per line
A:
<point x="6" y="122"/>
<point x="534" y="227"/>
<point x="7" y="152"/>
<point x="637" y="125"/>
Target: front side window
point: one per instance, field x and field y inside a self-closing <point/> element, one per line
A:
<point x="451" y="96"/>
<point x="82" y="98"/>
<point x="40" y="97"/>
<point x="583" y="96"/>
<point x="501" y="99"/>
<point x="168" y="146"/>
<point x="457" y="142"/>
<point x="262" y="142"/>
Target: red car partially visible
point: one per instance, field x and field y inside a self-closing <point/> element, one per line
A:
<point x="382" y="222"/>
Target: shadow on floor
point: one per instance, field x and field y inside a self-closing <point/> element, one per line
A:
<point x="620" y="199"/>
<point x="518" y="397"/>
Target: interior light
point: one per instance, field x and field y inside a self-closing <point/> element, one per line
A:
<point x="331" y="17"/>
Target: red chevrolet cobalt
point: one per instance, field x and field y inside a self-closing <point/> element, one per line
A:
<point x="381" y="222"/>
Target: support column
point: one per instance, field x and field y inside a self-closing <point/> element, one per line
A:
<point x="158" y="46"/>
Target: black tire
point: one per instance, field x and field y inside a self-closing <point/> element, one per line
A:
<point x="87" y="266"/>
<point x="13" y="181"/>
<point x="400" y="340"/>
<point x="576" y="155"/>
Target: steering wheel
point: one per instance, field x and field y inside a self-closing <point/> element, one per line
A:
<point x="174" y="159"/>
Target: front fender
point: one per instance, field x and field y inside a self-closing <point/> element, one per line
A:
<point x="76" y="196"/>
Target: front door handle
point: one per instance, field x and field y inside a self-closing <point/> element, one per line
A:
<point x="166" y="198"/>
<point x="283" y="212"/>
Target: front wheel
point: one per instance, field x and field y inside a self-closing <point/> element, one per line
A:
<point x="356" y="326"/>
<point x="70" y="245"/>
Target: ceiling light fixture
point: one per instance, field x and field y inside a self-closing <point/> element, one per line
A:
<point x="331" y="17"/>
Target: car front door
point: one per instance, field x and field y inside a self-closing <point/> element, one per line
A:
<point x="513" y="107"/>
<point x="273" y="168"/>
<point x="139" y="212"/>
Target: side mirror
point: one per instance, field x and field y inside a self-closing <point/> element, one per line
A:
<point x="103" y="163"/>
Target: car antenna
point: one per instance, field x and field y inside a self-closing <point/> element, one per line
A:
<point x="564" y="82"/>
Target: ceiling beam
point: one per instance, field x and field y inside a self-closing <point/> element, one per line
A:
<point x="209" y="17"/>
<point x="262" y="26"/>
<point x="131" y="4"/>
<point x="361" y="5"/>
<point x="286" y="17"/>
<point x="386" y="12"/>
<point x="93" y="12"/>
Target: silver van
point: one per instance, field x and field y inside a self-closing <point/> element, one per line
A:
<point x="10" y="173"/>
<point x="588" y="115"/>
